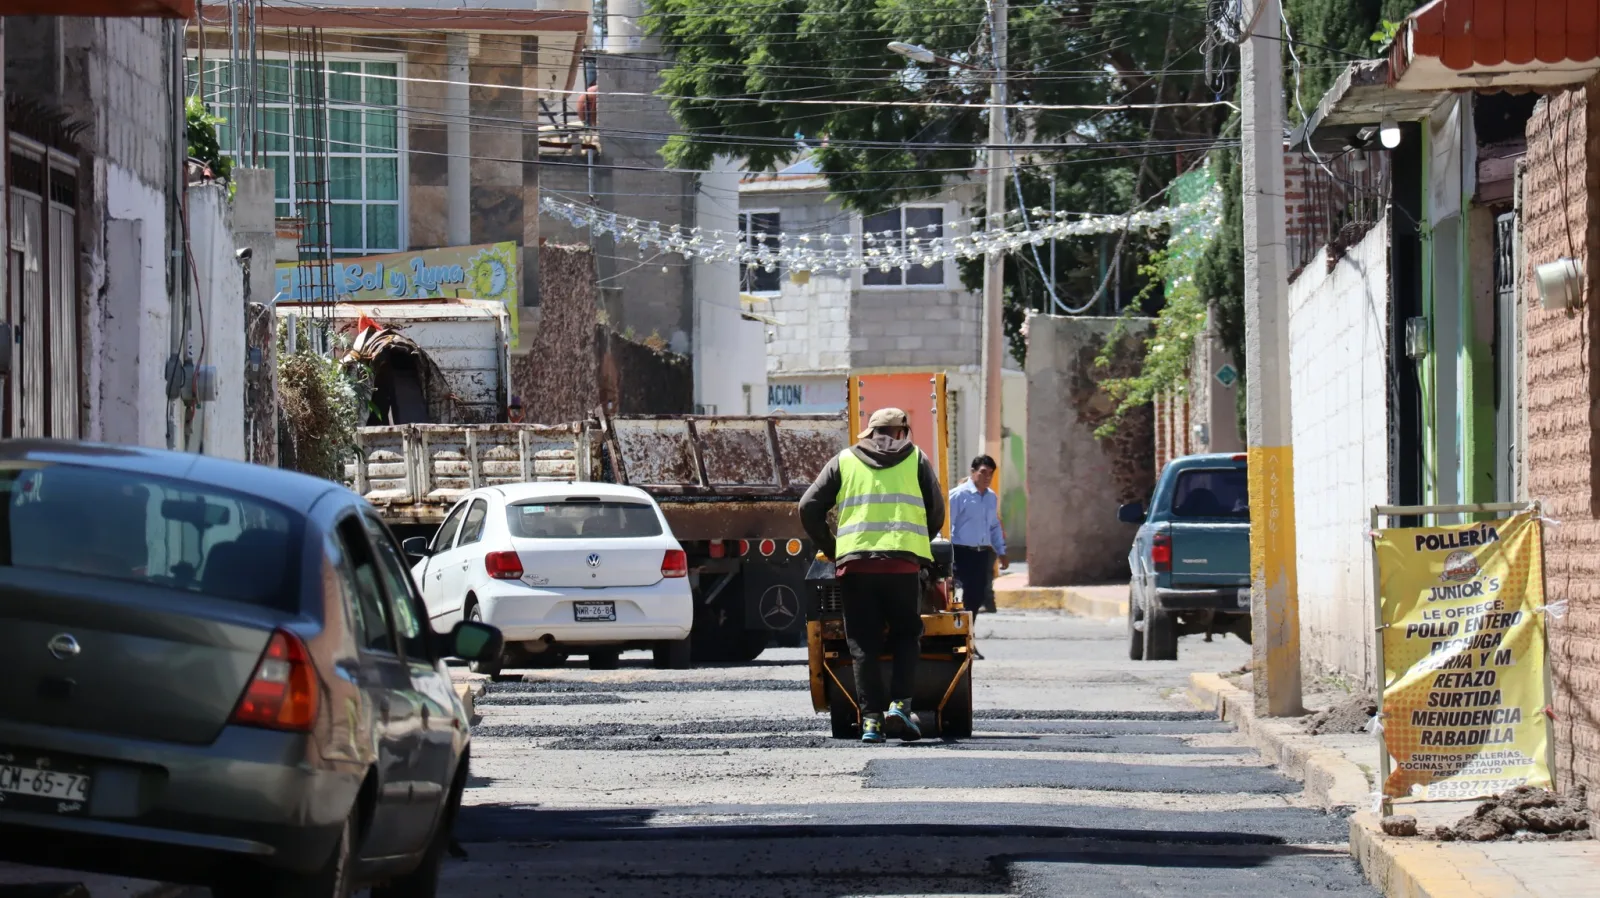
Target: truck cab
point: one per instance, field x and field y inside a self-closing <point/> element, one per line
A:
<point x="1190" y="560"/>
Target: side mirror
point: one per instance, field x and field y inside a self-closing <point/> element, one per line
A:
<point x="472" y="640"/>
<point x="417" y="547"/>
<point x="1132" y="513"/>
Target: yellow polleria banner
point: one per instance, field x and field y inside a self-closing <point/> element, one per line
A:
<point x="1464" y="658"/>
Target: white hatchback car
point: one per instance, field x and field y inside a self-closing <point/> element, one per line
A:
<point x="561" y="568"/>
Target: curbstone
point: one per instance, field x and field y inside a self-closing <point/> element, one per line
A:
<point x="1331" y="779"/>
<point x="468" y="692"/>
<point x="1061" y="598"/>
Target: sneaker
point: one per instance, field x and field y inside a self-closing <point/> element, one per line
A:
<point x="899" y="722"/>
<point x="871" y="730"/>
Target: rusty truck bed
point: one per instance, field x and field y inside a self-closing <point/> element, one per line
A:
<point x="716" y="477"/>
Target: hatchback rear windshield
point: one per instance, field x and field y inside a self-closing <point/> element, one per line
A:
<point x="1212" y="493"/>
<point x="121" y="525"/>
<point x="591" y="520"/>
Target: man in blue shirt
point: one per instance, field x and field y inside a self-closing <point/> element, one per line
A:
<point x="975" y="533"/>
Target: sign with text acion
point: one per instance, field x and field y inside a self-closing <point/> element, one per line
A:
<point x="485" y="271"/>
<point x="1464" y="659"/>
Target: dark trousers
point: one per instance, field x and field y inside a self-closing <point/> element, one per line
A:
<point x="874" y="604"/>
<point x="975" y="571"/>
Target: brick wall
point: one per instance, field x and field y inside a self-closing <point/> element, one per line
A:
<point x="1560" y="189"/>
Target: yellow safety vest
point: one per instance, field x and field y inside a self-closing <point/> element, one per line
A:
<point x="880" y="510"/>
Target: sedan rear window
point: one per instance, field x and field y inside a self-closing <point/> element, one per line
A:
<point x="121" y="525"/>
<point x="591" y="520"/>
<point x="1212" y="493"/>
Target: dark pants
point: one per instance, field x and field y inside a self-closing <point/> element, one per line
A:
<point x="872" y="603"/>
<point x="975" y="571"/>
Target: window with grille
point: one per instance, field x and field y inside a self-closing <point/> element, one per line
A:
<point x="760" y="229"/>
<point x="905" y="228"/>
<point x="358" y="102"/>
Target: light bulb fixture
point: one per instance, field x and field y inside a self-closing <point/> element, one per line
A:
<point x="912" y="52"/>
<point x="1358" y="160"/>
<point x="1389" y="133"/>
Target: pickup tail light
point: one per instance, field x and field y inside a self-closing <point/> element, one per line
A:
<point x="1161" y="551"/>
<point x="503" y="565"/>
<point x="282" y="695"/>
<point x="675" y="564"/>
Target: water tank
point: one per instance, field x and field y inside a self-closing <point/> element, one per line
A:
<point x="624" y="31"/>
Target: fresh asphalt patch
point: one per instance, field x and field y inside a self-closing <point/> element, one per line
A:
<point x="591" y="698"/>
<point x="1035" y="714"/>
<point x="1096" y="874"/>
<point x="1024" y="773"/>
<point x="490" y="823"/>
<point x="582" y="686"/>
<point x="1108" y="727"/>
<point x="1110" y="745"/>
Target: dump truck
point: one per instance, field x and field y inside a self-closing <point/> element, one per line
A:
<point x="729" y="486"/>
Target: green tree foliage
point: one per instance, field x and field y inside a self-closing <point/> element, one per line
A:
<point x="800" y="57"/>
<point x="202" y="137"/>
<point x="1328" y="35"/>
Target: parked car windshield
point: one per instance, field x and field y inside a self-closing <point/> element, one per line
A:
<point x="570" y="520"/>
<point x="1212" y="493"/>
<point x="122" y="525"/>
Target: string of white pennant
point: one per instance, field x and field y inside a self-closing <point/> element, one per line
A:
<point x="882" y="250"/>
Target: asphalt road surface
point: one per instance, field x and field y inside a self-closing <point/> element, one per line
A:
<point x="1088" y="776"/>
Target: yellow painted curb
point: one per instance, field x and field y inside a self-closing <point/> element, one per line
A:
<point x="1407" y="868"/>
<point x="1061" y="598"/>
<point x="467" y="692"/>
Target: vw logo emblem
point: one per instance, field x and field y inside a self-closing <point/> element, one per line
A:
<point x="63" y="646"/>
<point x="594" y="559"/>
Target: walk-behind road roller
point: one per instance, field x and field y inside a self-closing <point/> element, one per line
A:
<point x="943" y="697"/>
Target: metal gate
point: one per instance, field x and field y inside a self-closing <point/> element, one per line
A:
<point x="1507" y="359"/>
<point x="43" y="398"/>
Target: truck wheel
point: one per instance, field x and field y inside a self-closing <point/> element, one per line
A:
<point x="604" y="659"/>
<point x="1135" y="636"/>
<point x="842" y="712"/>
<point x="672" y="654"/>
<point x="1160" y="635"/>
<point x="1241" y="628"/>
<point x="955" y="721"/>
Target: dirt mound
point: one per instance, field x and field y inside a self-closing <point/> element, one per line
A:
<point x="1524" y="814"/>
<point x="1347" y="718"/>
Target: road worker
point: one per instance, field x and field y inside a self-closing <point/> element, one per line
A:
<point x="889" y="501"/>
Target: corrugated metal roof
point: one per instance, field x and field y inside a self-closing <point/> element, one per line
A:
<point x="1511" y="42"/>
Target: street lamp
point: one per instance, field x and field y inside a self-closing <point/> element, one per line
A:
<point x="994" y="262"/>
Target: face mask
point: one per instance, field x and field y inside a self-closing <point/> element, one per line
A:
<point x="883" y="441"/>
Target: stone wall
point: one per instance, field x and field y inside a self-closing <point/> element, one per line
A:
<point x="1338" y="360"/>
<point x="1560" y="188"/>
<point x="1075" y="480"/>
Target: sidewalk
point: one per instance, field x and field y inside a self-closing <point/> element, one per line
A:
<point x="1011" y="590"/>
<point x="1338" y="773"/>
<point x="43" y="882"/>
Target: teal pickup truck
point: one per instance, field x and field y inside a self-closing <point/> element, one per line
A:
<point x="1190" y="560"/>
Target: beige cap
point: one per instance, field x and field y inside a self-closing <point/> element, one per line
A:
<point x="885" y="417"/>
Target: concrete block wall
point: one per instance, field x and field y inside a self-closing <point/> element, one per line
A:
<point x="1561" y="185"/>
<point x="1338" y="339"/>
<point x="934" y="328"/>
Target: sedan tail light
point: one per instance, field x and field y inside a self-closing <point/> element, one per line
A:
<point x="1161" y="551"/>
<point x="503" y="565"/>
<point x="675" y="563"/>
<point x="283" y="693"/>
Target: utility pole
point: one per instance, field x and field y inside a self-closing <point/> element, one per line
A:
<point x="1274" y="600"/>
<point x="994" y="263"/>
